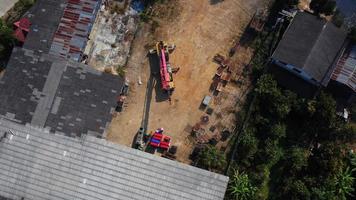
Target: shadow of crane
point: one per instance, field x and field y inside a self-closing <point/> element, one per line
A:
<point x="153" y="83"/>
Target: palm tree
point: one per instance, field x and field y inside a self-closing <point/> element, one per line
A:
<point x="344" y="184"/>
<point x="240" y="187"/>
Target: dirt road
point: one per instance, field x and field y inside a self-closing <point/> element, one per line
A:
<point x="201" y="30"/>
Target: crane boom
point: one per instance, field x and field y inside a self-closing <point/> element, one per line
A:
<point x="165" y="68"/>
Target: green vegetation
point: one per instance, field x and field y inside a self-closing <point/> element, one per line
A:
<point x="289" y="147"/>
<point x="292" y="2"/>
<point x="338" y="18"/>
<point x="7" y="40"/>
<point x="352" y="34"/>
<point x="18" y="10"/>
<point x="240" y="187"/>
<point x="343" y="184"/>
<point x="211" y="158"/>
<point x="121" y="71"/>
<point x="292" y="148"/>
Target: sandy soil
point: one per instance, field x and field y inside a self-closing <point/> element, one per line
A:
<point x="304" y="4"/>
<point x="200" y="29"/>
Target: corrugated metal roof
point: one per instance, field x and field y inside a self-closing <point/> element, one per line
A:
<point x="58" y="94"/>
<point x="39" y="165"/>
<point x="72" y="33"/>
<point x="345" y="71"/>
<point x="44" y="16"/>
<point x="310" y="44"/>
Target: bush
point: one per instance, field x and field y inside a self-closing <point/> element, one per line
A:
<point x="121" y="71"/>
<point x="327" y="7"/>
<point x="352" y="35"/>
<point x="211" y="158"/>
<point x="7" y="40"/>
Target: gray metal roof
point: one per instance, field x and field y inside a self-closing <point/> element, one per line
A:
<point x="39" y="165"/>
<point x="311" y="44"/>
<point x="48" y="91"/>
<point x="45" y="15"/>
<point x="58" y="94"/>
<point x="345" y="71"/>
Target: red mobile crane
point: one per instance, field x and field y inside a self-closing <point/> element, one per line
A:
<point x="166" y="72"/>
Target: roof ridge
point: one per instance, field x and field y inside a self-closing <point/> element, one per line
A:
<point x="315" y="44"/>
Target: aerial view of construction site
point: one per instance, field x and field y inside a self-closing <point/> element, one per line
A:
<point x="181" y="77"/>
<point x="177" y="99"/>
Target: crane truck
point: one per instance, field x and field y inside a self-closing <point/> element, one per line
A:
<point x="166" y="71"/>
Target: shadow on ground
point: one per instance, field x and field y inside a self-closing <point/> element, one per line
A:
<point x="213" y="2"/>
<point x="155" y="74"/>
<point x="150" y="149"/>
<point x="153" y="82"/>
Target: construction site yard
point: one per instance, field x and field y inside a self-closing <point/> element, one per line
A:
<point x="200" y="29"/>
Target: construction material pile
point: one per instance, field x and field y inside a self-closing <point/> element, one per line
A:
<point x="111" y="38"/>
<point x="222" y="75"/>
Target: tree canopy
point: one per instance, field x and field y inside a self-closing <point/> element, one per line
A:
<point x="327" y="7"/>
<point x="211" y="158"/>
<point x="291" y="146"/>
<point x="6" y="40"/>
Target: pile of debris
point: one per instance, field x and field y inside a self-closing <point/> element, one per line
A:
<point x="222" y="75"/>
<point x="111" y="38"/>
<point x="213" y="136"/>
<point x="259" y="19"/>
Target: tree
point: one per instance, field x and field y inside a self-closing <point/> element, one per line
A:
<point x="248" y="146"/>
<point x="211" y="158"/>
<point x="7" y="40"/>
<point x="295" y="189"/>
<point x="326" y="160"/>
<point x="338" y="18"/>
<point x="323" y="122"/>
<point x="292" y="2"/>
<point x="277" y="131"/>
<point x="272" y="102"/>
<point x="322" y="193"/>
<point x="352" y="35"/>
<point x="297" y="158"/>
<point x="329" y="8"/>
<point x="240" y="187"/>
<point x="317" y="5"/>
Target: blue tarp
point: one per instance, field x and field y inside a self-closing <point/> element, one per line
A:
<point x="347" y="7"/>
<point x="137" y="5"/>
<point x="155" y="141"/>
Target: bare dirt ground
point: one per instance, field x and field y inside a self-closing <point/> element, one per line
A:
<point x="304" y="5"/>
<point x="200" y="29"/>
